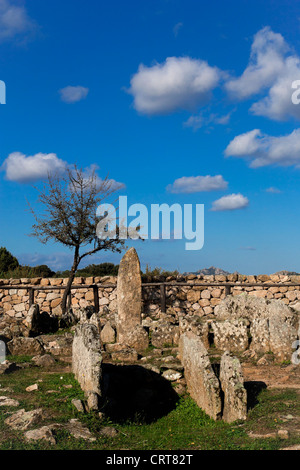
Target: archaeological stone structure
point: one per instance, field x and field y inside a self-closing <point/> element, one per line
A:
<point x="175" y="338"/>
<point x="202" y="383"/>
<point x="130" y="331"/>
<point x="86" y="362"/>
<point x="234" y="392"/>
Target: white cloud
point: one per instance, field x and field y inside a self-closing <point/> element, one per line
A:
<point x="272" y="69"/>
<point x="273" y="190"/>
<point x="178" y="83"/>
<point x="73" y="94"/>
<point x="262" y="149"/>
<point x="266" y="62"/>
<point x="26" y="169"/>
<point x="112" y="184"/>
<point x="194" y="184"/>
<point x="176" y="28"/>
<point x="278" y="103"/>
<point x="200" y="120"/>
<point x="14" y="21"/>
<point x="230" y="203"/>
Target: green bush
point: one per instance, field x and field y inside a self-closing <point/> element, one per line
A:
<point x="7" y="261"/>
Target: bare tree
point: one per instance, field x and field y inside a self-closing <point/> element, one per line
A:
<point x="70" y="203"/>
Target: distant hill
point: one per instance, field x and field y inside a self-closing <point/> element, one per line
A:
<point x="287" y="273"/>
<point x="210" y="271"/>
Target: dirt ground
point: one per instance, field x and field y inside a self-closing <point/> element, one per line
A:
<point x="274" y="375"/>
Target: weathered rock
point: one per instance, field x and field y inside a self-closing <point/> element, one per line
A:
<point x="273" y="325"/>
<point x="202" y="383"/>
<point x="92" y="401"/>
<point x="109" y="431"/>
<point x="5" y="401"/>
<point x="232" y="384"/>
<point x="231" y="335"/>
<point x="197" y="326"/>
<point x="125" y="355"/>
<point x="78" y="405"/>
<point x="164" y="335"/>
<point x="8" y="367"/>
<point x="44" y="433"/>
<point x="86" y="358"/>
<point x="241" y="306"/>
<point x="25" y="347"/>
<point x="283" y="434"/>
<point x="6" y="334"/>
<point x="31" y="320"/>
<point x="137" y="339"/>
<point x="172" y="375"/>
<point x="44" y="361"/>
<point x="260" y="335"/>
<point x="57" y="345"/>
<point x="129" y="295"/>
<point x="283" y="334"/>
<point x="32" y="388"/>
<point x="78" y="430"/>
<point x="22" y="420"/>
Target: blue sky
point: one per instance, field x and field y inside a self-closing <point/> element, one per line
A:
<point x="183" y="102"/>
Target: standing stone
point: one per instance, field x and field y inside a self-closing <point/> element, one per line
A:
<point x="31" y="320"/>
<point x="87" y="359"/>
<point x="235" y="394"/>
<point x="129" y="295"/>
<point x="202" y="383"/>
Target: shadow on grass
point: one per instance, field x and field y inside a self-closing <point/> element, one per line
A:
<point x="133" y="393"/>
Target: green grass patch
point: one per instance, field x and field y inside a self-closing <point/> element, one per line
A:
<point x="186" y="427"/>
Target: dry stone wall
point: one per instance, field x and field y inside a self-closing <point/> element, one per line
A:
<point x="180" y="300"/>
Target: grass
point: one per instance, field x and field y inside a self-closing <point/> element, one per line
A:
<point x="185" y="428"/>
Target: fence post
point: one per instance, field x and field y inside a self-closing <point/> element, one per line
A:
<point x="163" y="298"/>
<point x="227" y="290"/>
<point x="31" y="296"/>
<point x="96" y="298"/>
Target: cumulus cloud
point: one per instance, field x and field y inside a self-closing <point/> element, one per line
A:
<point x="272" y="69"/>
<point x="73" y="94"/>
<point x="14" y="21"/>
<point x="27" y="169"/>
<point x="180" y="83"/>
<point x="266" y="62"/>
<point x="231" y="202"/>
<point x="262" y="149"/>
<point x="195" y="184"/>
<point x="278" y="103"/>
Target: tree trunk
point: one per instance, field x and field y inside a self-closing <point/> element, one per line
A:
<point x="67" y="290"/>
